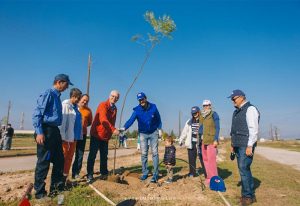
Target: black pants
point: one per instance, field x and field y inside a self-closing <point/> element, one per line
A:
<point x="77" y="164"/>
<point x="201" y="158"/>
<point x="50" y="151"/>
<point x="192" y="154"/>
<point x="95" y="145"/>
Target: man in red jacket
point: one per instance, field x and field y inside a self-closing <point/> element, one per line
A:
<point x="103" y="127"/>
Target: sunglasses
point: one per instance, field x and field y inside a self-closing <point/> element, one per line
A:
<point x="234" y="99"/>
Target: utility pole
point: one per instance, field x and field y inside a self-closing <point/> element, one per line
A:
<point x="272" y="133"/>
<point x="22" y="121"/>
<point x="276" y="132"/>
<point x="8" y="111"/>
<point x="89" y="74"/>
<point x="179" y="124"/>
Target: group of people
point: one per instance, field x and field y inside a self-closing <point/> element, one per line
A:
<point x="61" y="130"/>
<point x="6" y="135"/>
<point x="201" y="132"/>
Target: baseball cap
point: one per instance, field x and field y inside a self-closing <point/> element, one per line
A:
<point x="140" y="96"/>
<point x="63" y="77"/>
<point x="237" y="92"/>
<point x="206" y="102"/>
<point x="195" y="109"/>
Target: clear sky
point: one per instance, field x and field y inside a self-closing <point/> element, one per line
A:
<point x="218" y="46"/>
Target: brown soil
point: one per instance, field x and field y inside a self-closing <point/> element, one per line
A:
<point x="183" y="191"/>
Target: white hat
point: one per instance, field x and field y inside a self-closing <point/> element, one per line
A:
<point x="206" y="102"/>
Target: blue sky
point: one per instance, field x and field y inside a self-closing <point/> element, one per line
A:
<point x="218" y="46"/>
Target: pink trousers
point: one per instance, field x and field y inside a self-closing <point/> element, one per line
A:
<point x="209" y="155"/>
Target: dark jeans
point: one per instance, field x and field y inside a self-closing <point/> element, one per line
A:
<point x="77" y="164"/>
<point x="244" y="163"/>
<point x="192" y="154"/>
<point x="201" y="158"/>
<point x="95" y="145"/>
<point x="50" y="151"/>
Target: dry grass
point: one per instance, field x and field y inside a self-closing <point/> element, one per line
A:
<point x="275" y="184"/>
<point x="293" y="145"/>
<point x="23" y="145"/>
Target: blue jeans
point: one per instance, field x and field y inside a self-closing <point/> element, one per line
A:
<point x="244" y="163"/>
<point x="153" y="141"/>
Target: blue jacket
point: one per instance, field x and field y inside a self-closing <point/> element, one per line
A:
<point x="148" y="119"/>
<point x="48" y="110"/>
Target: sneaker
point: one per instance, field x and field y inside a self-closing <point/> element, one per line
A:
<point x="89" y="179"/>
<point x="41" y="196"/>
<point x="245" y="201"/>
<point x="103" y="177"/>
<point x="144" y="177"/>
<point x="168" y="181"/>
<point x="154" y="179"/>
<point x="77" y="176"/>
<point x="190" y="175"/>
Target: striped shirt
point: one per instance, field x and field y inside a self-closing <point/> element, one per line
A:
<point x="195" y="129"/>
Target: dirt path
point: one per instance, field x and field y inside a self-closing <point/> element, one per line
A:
<point x="14" y="164"/>
<point x="281" y="156"/>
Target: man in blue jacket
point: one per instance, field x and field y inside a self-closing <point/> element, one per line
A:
<point x="149" y="127"/>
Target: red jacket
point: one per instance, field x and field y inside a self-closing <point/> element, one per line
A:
<point x="104" y="122"/>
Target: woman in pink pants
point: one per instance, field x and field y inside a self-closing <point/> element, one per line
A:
<point x="209" y="132"/>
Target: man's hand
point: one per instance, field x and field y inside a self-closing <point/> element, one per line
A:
<point x="215" y="143"/>
<point x="40" y="139"/>
<point x="116" y="132"/>
<point x="231" y="149"/>
<point x="249" y="151"/>
<point x="122" y="129"/>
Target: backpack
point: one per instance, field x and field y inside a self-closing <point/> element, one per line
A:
<point x="217" y="184"/>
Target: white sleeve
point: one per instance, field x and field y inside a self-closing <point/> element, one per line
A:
<point x="63" y="127"/>
<point x="183" y="133"/>
<point x="252" y="122"/>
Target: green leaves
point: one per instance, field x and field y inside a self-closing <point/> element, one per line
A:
<point x="163" y="27"/>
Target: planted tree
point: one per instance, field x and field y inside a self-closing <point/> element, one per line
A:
<point x="163" y="27"/>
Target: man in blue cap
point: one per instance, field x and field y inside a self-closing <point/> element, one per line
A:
<point x="46" y="118"/>
<point x="244" y="132"/>
<point x="149" y="127"/>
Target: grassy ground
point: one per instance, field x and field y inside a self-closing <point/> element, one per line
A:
<point x="25" y="145"/>
<point x="292" y="145"/>
<point x="275" y="184"/>
<point x="81" y="195"/>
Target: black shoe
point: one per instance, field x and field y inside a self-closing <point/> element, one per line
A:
<point x="103" y="177"/>
<point x="154" y="179"/>
<point x="89" y="179"/>
<point x="40" y="196"/>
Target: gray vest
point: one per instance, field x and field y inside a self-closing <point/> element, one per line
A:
<point x="239" y="128"/>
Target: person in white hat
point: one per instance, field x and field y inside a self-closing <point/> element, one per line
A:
<point x="209" y="133"/>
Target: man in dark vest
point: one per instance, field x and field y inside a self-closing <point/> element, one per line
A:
<point x="244" y="132"/>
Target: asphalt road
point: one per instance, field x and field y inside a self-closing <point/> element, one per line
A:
<point x="281" y="156"/>
<point x="12" y="164"/>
